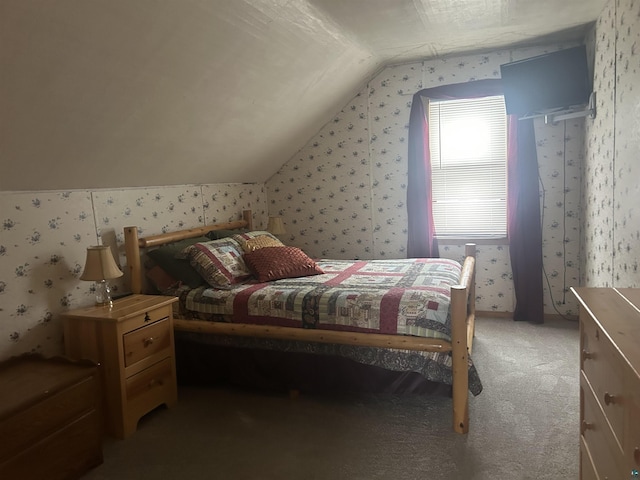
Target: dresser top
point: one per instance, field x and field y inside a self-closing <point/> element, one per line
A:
<point x="617" y="311"/>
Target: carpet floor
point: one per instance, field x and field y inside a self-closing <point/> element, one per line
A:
<point x="524" y="425"/>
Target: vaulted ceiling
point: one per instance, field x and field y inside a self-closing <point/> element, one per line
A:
<point x="118" y="93"/>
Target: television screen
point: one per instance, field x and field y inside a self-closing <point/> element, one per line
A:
<point x="552" y="81"/>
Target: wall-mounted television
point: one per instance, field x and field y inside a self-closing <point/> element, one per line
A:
<point x="553" y="81"/>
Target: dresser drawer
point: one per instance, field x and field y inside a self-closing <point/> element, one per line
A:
<point x="597" y="435"/>
<point x="29" y="426"/>
<point x="146" y="341"/>
<point x="147" y="317"/>
<point x="587" y="469"/>
<point x="632" y="438"/>
<point x="603" y="367"/>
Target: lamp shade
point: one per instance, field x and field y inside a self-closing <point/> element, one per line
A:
<point x="100" y="264"/>
<point x="276" y="226"/>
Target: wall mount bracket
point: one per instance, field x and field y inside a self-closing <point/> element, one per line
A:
<point x="589" y="110"/>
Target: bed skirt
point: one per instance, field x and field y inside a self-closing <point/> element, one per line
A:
<point x="283" y="366"/>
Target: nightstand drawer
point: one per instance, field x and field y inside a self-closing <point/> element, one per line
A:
<point x="150" y="383"/>
<point x="603" y="368"/>
<point x="146" y="341"/>
<point x="598" y="437"/>
<point x="148" y="317"/>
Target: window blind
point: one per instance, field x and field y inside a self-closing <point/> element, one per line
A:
<point x="468" y="144"/>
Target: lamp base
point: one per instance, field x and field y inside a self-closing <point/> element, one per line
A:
<point x="103" y="293"/>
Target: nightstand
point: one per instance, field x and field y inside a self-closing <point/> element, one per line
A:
<point x="132" y="340"/>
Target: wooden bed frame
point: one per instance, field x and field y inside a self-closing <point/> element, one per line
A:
<point x="462" y="315"/>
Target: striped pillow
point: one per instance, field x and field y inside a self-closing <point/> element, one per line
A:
<point x="219" y="262"/>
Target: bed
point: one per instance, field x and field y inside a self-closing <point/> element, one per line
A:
<point x="414" y="313"/>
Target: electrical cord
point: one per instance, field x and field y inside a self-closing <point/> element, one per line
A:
<point x="564" y="227"/>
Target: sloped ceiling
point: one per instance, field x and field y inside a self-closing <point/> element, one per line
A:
<point x="118" y="93"/>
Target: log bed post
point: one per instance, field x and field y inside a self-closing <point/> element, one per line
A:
<point x="459" y="359"/>
<point x="132" y="251"/>
<point x="470" y="252"/>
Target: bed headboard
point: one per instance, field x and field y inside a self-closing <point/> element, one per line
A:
<point x="133" y="243"/>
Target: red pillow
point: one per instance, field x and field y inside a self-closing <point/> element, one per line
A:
<point x="272" y="263"/>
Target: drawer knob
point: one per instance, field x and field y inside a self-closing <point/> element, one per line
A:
<point x="155" y="381"/>
<point x="586" y="426"/>
<point x="147" y="317"/>
<point x="610" y="399"/>
<point x="587" y="355"/>
<point x="149" y="341"/>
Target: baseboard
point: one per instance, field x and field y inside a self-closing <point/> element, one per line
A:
<point x="492" y="314"/>
<point x="557" y="316"/>
<point x="509" y="315"/>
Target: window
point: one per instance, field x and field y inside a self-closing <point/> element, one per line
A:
<point x="468" y="144"/>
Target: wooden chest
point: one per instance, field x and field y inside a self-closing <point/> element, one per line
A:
<point x="50" y="421"/>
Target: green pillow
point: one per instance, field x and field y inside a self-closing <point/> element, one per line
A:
<point x="180" y="269"/>
<point x="218" y="234"/>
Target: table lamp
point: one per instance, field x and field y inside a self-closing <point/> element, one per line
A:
<point x="100" y="267"/>
<point x="275" y="226"/>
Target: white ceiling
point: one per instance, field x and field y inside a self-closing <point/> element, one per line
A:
<point x="118" y="93"/>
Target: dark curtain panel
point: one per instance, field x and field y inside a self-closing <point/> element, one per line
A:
<point x="421" y="232"/>
<point x="523" y="221"/>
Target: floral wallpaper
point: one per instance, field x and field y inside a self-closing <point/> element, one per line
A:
<point x="44" y="236"/>
<point x="343" y="195"/>
<point x="626" y="168"/>
<point x="611" y="223"/>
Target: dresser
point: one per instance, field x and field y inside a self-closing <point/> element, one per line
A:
<point x="50" y="421"/>
<point x="609" y="383"/>
<point x="132" y="340"/>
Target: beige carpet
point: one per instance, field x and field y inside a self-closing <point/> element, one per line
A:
<point x="524" y="425"/>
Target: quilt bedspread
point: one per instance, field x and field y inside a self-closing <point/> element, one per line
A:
<point x="401" y="296"/>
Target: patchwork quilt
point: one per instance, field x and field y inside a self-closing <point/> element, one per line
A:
<point x="403" y="296"/>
